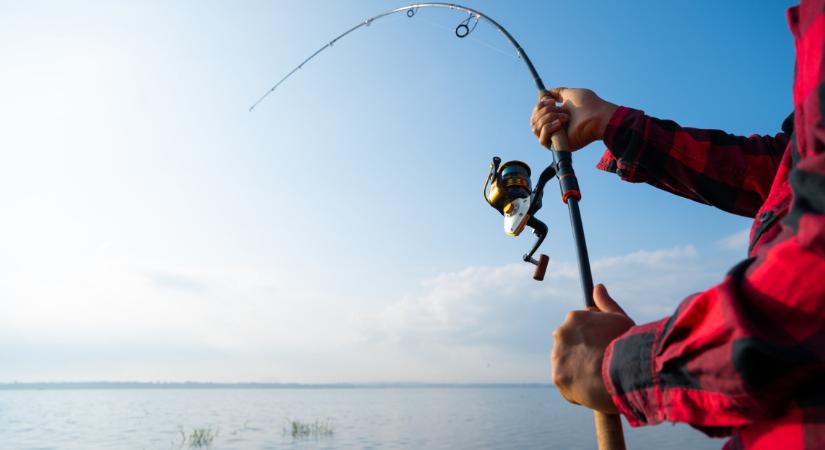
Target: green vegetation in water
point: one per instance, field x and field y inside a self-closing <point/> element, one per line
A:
<point x="198" y="438"/>
<point x="302" y="430"/>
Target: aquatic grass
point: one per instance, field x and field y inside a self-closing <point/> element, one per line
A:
<point x="303" y="430"/>
<point x="198" y="438"/>
<point x="202" y="437"/>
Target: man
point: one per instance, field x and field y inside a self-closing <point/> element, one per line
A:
<point x="745" y="358"/>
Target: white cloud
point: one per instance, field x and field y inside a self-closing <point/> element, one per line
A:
<point x="479" y="324"/>
<point x="672" y="257"/>
<point x="736" y="242"/>
<point x="501" y="313"/>
<point x="162" y="323"/>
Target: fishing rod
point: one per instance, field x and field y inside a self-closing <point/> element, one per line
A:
<point x="508" y="188"/>
<point x="462" y="30"/>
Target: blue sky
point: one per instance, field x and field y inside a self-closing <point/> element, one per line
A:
<point x="154" y="229"/>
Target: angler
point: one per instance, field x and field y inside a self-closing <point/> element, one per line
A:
<point x="744" y="358"/>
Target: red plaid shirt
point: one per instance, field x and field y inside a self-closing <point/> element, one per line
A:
<point x="745" y="358"/>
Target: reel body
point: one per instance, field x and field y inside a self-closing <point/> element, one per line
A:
<point x="508" y="189"/>
<point x="510" y="194"/>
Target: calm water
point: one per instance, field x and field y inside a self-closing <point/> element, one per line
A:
<point x="368" y="418"/>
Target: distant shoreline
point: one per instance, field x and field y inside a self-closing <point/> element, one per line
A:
<point x="100" y="385"/>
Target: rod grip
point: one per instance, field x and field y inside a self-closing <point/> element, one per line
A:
<point x="559" y="141"/>
<point x="609" y="434"/>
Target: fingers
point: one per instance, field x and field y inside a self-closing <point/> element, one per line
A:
<point x="560" y="376"/>
<point x="604" y="302"/>
<point x="541" y="111"/>
<point x="557" y="94"/>
<point x="563" y="368"/>
<point x="575" y="317"/>
<point x="547" y="131"/>
<point x="548" y="116"/>
<point x="570" y="331"/>
<point x="549" y="124"/>
<point x="546" y="120"/>
<point x="546" y="104"/>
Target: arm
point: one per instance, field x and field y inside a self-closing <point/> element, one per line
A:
<point x="741" y="351"/>
<point x="749" y="347"/>
<point x="732" y="173"/>
<point x="745" y="349"/>
<point x="753" y="345"/>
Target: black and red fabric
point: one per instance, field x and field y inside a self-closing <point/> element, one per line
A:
<point x="745" y="358"/>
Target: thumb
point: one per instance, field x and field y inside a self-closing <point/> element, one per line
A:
<point x="604" y="302"/>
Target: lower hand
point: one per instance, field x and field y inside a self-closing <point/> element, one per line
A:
<point x="578" y="350"/>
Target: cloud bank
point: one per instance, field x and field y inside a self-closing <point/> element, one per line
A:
<point x="500" y="314"/>
<point x="478" y="324"/>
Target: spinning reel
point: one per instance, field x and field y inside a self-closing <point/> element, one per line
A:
<point x="508" y="190"/>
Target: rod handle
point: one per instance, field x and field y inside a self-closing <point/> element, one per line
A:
<point x="559" y="141"/>
<point x="609" y="434"/>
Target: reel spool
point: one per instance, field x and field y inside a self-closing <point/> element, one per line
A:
<point x="508" y="189"/>
<point x="510" y="194"/>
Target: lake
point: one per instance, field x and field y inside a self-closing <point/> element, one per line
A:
<point x="521" y="417"/>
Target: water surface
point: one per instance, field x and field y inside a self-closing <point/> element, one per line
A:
<point x="362" y="418"/>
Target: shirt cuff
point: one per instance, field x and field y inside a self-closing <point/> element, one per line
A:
<point x="628" y="374"/>
<point x="623" y="121"/>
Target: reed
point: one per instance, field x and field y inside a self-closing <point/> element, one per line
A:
<point x="303" y="430"/>
<point x="199" y="437"/>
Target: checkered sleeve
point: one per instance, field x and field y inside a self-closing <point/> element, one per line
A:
<point x="752" y="347"/>
<point x="733" y="173"/>
<point x="736" y="353"/>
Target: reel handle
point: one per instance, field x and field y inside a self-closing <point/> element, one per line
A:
<point x="541" y="268"/>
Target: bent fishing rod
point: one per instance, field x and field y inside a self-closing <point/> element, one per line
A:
<point x="509" y="190"/>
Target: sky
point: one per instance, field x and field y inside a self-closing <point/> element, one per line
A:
<point x="153" y="229"/>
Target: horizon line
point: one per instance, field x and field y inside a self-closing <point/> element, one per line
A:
<point x="89" y="385"/>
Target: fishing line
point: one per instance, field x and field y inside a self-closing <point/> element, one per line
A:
<point x="462" y="30"/>
<point x="474" y="39"/>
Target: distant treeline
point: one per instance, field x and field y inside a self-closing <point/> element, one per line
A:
<point x="203" y="385"/>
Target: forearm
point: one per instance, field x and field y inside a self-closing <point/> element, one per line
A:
<point x="733" y="173"/>
<point x="737" y="353"/>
